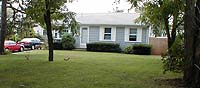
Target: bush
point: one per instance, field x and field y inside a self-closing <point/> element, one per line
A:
<point x="57" y="46"/>
<point x="173" y="60"/>
<point x="128" y="50"/>
<point x="7" y="52"/>
<point x="68" y="42"/>
<point x="141" y="49"/>
<point x="103" y="47"/>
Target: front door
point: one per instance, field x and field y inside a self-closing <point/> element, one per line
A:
<point x="84" y="37"/>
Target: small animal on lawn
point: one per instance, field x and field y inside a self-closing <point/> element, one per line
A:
<point x="27" y="57"/>
<point x="66" y="58"/>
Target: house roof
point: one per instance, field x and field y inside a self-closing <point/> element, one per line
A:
<point x="107" y="18"/>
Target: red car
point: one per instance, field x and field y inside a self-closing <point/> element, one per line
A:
<point x="13" y="46"/>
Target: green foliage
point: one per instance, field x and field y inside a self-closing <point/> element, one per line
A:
<point x="71" y="23"/>
<point x="59" y="13"/>
<point x="157" y="13"/>
<point x="7" y="52"/>
<point x="14" y="38"/>
<point x="68" y="42"/>
<point x="173" y="59"/>
<point x="39" y="37"/>
<point x="103" y="47"/>
<point x="141" y="49"/>
<point x="128" y="50"/>
<point x="45" y="46"/>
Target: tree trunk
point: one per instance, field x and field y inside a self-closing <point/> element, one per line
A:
<point x="189" y="27"/>
<point x="196" y="75"/>
<point x="174" y="27"/>
<point x="170" y="42"/>
<point x="47" y="18"/>
<point x="3" y="25"/>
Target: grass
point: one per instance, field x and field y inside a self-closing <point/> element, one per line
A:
<point x="83" y="70"/>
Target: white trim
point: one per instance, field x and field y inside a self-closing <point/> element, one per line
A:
<point x="83" y="45"/>
<point x="102" y="30"/>
<point x="101" y="33"/>
<point x="139" y="34"/>
<point x="126" y="34"/>
<point x="113" y="34"/>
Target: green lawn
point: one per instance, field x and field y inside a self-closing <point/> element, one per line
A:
<point x="83" y="70"/>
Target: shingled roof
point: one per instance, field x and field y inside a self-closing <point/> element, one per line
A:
<point x="107" y="18"/>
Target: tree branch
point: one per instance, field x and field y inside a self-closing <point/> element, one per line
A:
<point x="13" y="8"/>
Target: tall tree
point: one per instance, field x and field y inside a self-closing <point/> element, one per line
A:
<point x="47" y="19"/>
<point x="192" y="44"/>
<point x="3" y="25"/>
<point x="161" y="15"/>
<point x="166" y="17"/>
<point x="45" y="12"/>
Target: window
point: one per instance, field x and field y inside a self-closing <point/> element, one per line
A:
<point x="133" y="34"/>
<point x="44" y="32"/>
<point x="66" y="31"/>
<point x="107" y="34"/>
<point x="56" y="35"/>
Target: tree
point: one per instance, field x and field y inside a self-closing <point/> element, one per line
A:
<point x="3" y="26"/>
<point x="192" y="44"/>
<point x="17" y="22"/>
<point x="45" y="12"/>
<point x="161" y="15"/>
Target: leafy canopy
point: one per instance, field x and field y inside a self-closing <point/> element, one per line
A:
<point x="155" y="12"/>
<point x="60" y="15"/>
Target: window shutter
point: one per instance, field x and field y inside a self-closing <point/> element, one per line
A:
<point x="101" y="33"/>
<point x="126" y="34"/>
<point x="139" y="35"/>
<point x="113" y="33"/>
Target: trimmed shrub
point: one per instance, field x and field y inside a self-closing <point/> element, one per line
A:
<point x="57" y="46"/>
<point x="141" y="49"/>
<point x="68" y="42"/>
<point x="128" y="50"/>
<point x="103" y="47"/>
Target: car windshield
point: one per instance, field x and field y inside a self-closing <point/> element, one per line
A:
<point x="26" y="40"/>
<point x="9" y="42"/>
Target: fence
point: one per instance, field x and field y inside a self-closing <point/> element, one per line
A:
<point x="159" y="45"/>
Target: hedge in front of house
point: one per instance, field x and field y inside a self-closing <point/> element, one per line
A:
<point x="103" y="47"/>
<point x="141" y="49"/>
<point x="57" y="46"/>
<point x="128" y="50"/>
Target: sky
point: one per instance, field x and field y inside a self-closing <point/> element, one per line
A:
<point x="97" y="6"/>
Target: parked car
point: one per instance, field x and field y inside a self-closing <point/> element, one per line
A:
<point x="13" y="46"/>
<point x="33" y="43"/>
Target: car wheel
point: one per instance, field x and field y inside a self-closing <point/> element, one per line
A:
<point x="32" y="47"/>
<point x="21" y="49"/>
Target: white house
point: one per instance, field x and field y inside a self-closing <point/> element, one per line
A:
<point x="110" y="28"/>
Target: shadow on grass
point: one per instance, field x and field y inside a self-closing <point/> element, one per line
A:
<point x="176" y="82"/>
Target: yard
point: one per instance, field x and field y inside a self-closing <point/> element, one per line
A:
<point x="82" y="70"/>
